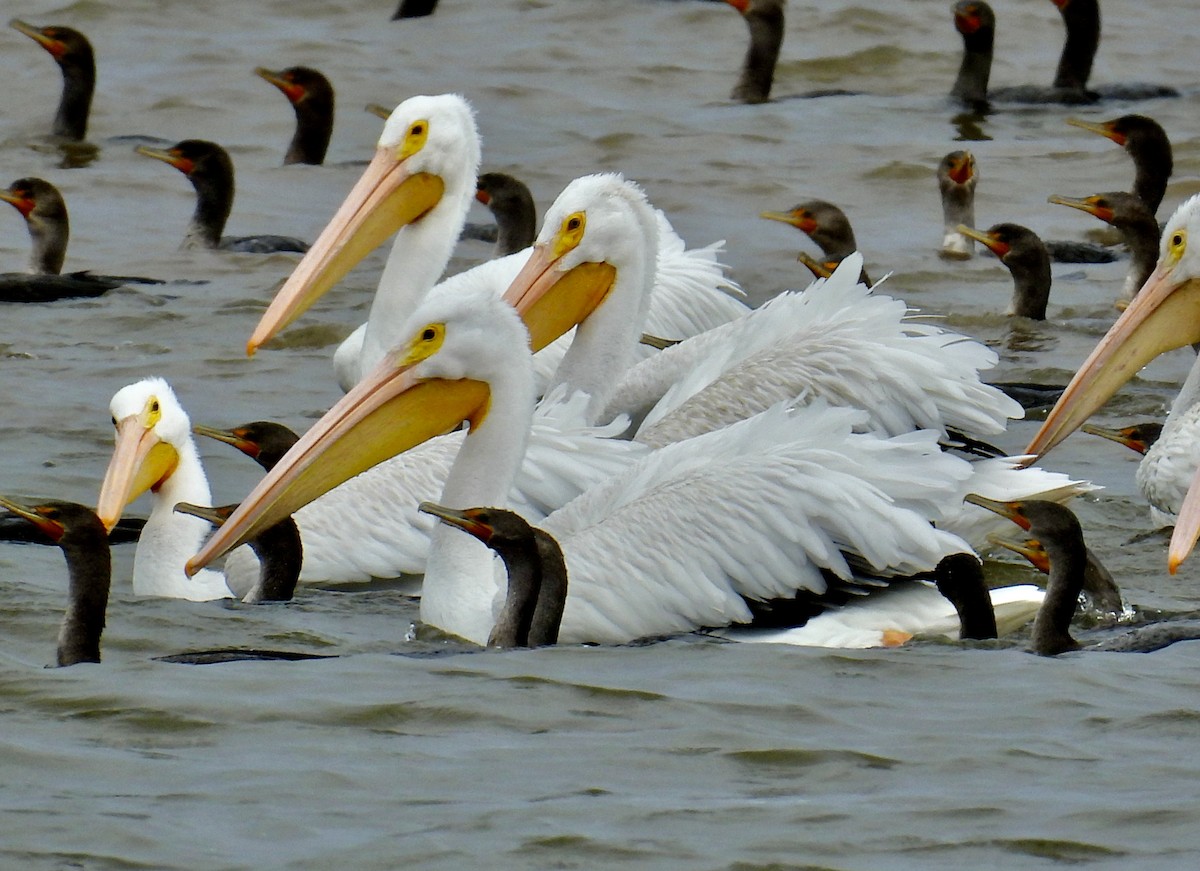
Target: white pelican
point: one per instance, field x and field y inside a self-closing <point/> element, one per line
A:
<point x="1165" y="314"/>
<point x="154" y="451"/>
<point x="837" y="341"/>
<point x="343" y="543"/>
<point x="570" y="264"/>
<point x="757" y="509"/>
<point x="421" y="182"/>
<point x="370" y="527"/>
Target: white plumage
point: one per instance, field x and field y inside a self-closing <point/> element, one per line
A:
<point x="676" y="541"/>
<point x="155" y="449"/>
<point x="889" y="617"/>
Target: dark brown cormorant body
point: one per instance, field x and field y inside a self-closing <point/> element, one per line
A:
<point x="73" y="54"/>
<point x="311" y="97"/>
<point x="537" y="573"/>
<point x="45" y="214"/>
<point x="210" y="170"/>
<point x="84" y="542"/>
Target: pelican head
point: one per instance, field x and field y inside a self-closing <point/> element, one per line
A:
<point x="460" y="347"/>
<point x="600" y="234"/>
<point x="151" y="430"/>
<point x="428" y="154"/>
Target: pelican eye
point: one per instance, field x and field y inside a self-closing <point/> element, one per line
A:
<point x="570" y="233"/>
<point x="49" y="512"/>
<point x="424" y="344"/>
<point x="414" y="139"/>
<point x="152" y="413"/>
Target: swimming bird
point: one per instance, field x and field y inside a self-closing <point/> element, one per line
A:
<point x="1137" y="437"/>
<point x="1022" y="251"/>
<point x="825" y="224"/>
<point x="764" y="19"/>
<point x="568" y="262"/>
<point x="765" y="22"/>
<point x="976" y="21"/>
<point x="534" y="567"/>
<point x="311" y="96"/>
<point x="1098" y="583"/>
<point x="45" y="214"/>
<point x="210" y="170"/>
<point x="1057" y="531"/>
<point x="511" y="204"/>
<point x="421" y="182"/>
<point x="957" y="177"/>
<point x="838" y="341"/>
<point x="154" y="451"/>
<point x="1162" y="316"/>
<point x="278" y="549"/>
<point x="1135" y="221"/>
<point x="671" y="567"/>
<point x="84" y="542"/>
<point x="73" y="54"/>
<point x="263" y="441"/>
<point x="1146" y="143"/>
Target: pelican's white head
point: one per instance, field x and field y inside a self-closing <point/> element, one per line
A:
<point x="152" y="431"/>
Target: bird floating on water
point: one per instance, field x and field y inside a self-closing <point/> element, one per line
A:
<point x="311" y="96"/>
<point x="210" y="170"/>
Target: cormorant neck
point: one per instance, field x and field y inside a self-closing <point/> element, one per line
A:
<point x="971" y="86"/>
<point x="1082" y="20"/>
<point x="1153" y="163"/>
<point x="758" y="68"/>
<point x="958" y="207"/>
<point x="314" y="127"/>
<point x="89" y="563"/>
<point x="1031" y="282"/>
<point x="516" y="222"/>
<point x="1052" y="626"/>
<point x="280" y="555"/>
<point x="79" y="80"/>
<point x="214" y="202"/>
<point x="1140" y="234"/>
<point x="524" y="568"/>
<point x="959" y="577"/>
<point x="49" y="234"/>
<point x="552" y="592"/>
